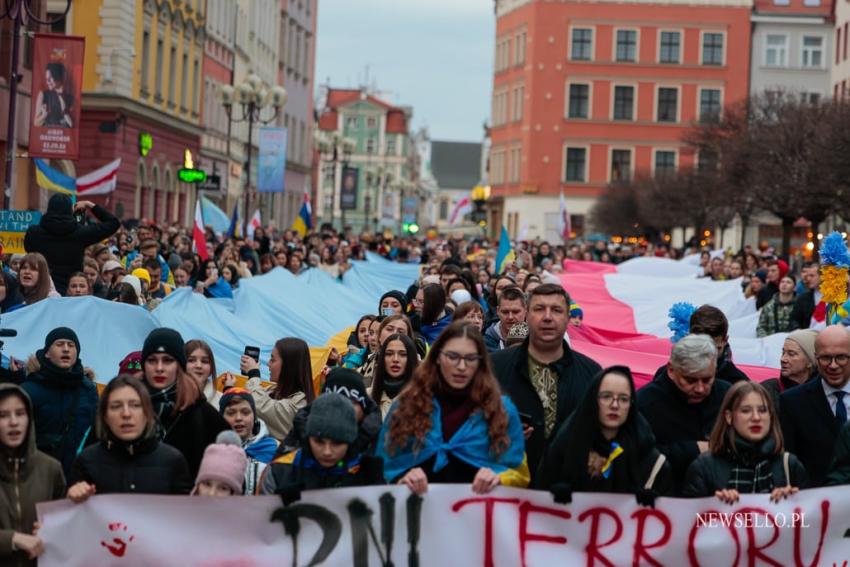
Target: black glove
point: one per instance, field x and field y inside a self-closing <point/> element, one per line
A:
<point x="290" y="493"/>
<point x="562" y="492"/>
<point x="646" y="497"/>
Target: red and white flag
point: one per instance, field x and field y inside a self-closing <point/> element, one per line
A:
<point x="254" y="224"/>
<point x="198" y="238"/>
<point x="462" y="208"/>
<point x="101" y="181"/>
<point x="565" y="228"/>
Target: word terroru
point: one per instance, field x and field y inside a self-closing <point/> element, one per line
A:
<point x="605" y="537"/>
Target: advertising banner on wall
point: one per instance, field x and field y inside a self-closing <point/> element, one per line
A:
<point x="348" y="189"/>
<point x="272" y="160"/>
<point x="57" y="77"/>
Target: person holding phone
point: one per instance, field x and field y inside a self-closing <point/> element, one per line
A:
<point x="212" y="284"/>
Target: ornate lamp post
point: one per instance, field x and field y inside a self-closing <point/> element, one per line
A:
<point x="253" y="96"/>
<point x="480" y="195"/>
<point x="20" y="12"/>
<point x="334" y="148"/>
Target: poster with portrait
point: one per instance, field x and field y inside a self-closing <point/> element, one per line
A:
<point x="272" y="160"/>
<point x="348" y="189"/>
<point x="57" y="81"/>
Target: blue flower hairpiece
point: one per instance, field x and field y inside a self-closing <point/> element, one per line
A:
<point x="833" y="251"/>
<point x="680" y="320"/>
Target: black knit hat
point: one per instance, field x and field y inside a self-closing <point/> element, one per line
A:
<point x="395" y="294"/>
<point x="61" y="333"/>
<point x="332" y="417"/>
<point x="165" y="340"/>
<point x="348" y="383"/>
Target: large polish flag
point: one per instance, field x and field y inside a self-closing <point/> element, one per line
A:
<point x="198" y="237"/>
<point x="626" y="314"/>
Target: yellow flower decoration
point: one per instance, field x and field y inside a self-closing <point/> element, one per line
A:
<point x="833" y="284"/>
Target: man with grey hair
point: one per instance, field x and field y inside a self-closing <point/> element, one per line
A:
<point x="682" y="406"/>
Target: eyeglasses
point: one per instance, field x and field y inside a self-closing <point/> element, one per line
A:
<point x="610" y="397"/>
<point x="839" y="359"/>
<point x="454" y="358"/>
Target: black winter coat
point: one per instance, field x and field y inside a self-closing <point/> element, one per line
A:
<point x="839" y="470"/>
<point x="297" y="471"/>
<point x="575" y="372"/>
<point x="191" y="430"/>
<point x="710" y="473"/>
<point x="804" y="307"/>
<point x="809" y="427"/>
<point x="678" y="425"/>
<point x="144" y="467"/>
<point x="63" y="241"/>
<point x="549" y="472"/>
<point x="726" y="370"/>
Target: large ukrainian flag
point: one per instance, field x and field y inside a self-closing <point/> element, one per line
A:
<point x="52" y="180"/>
<point x="304" y="221"/>
<point x="505" y="254"/>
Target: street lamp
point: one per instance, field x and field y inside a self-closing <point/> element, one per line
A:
<point x="383" y="177"/>
<point x="21" y="14"/>
<point x="480" y="194"/>
<point x="253" y="96"/>
<point x="335" y="147"/>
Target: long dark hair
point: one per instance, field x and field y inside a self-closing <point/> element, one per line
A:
<point x="380" y="365"/>
<point x="434" y="303"/>
<point x="296" y="373"/>
<point x="41" y="289"/>
<point x="355" y="334"/>
<point x="586" y="434"/>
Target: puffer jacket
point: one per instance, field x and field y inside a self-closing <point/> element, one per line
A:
<point x="144" y="466"/>
<point x="27" y="477"/>
<point x="63" y="241"/>
<point x="64" y="408"/>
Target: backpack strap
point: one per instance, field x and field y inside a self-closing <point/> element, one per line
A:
<point x="656" y="468"/>
<point x="786" y="457"/>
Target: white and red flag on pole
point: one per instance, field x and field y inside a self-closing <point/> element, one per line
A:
<point x="462" y="208"/>
<point x="198" y="238"/>
<point x="254" y="224"/>
<point x="565" y="228"/>
<point x="101" y="181"/>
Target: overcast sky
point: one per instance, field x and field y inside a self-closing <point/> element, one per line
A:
<point x="434" y="55"/>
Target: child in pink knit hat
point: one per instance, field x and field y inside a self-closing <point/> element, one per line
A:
<point x="223" y="467"/>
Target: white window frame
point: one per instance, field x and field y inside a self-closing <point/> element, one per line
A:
<point x="678" y="89"/>
<point x="675" y="152"/>
<point x="768" y="47"/>
<point x="698" y="112"/>
<point x="631" y="150"/>
<point x="589" y="85"/>
<point x="586" y="172"/>
<point x="592" y="43"/>
<point x="658" y="46"/>
<point x="804" y="49"/>
<point x="634" y="87"/>
<point x="702" y="45"/>
<point x="637" y="44"/>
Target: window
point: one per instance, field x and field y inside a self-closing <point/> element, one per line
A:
<point x="576" y="164"/>
<point x="776" y="50"/>
<point x="444" y="209"/>
<point x="146" y="48"/>
<point x="518" y="102"/>
<point x="837" y="44"/>
<point x="184" y="81"/>
<point x="391" y="145"/>
<point x="351" y="122"/>
<point x="668" y="104"/>
<point x="159" y="55"/>
<point x="582" y="44"/>
<point x="811" y="98"/>
<point x="172" y="75"/>
<point x="371" y="122"/>
<point x="579" y="101"/>
<point x="621" y="165"/>
<point x="812" y="53"/>
<point x="195" y="78"/>
<point x="781" y="2"/>
<point x="669" y="48"/>
<point x="709" y="104"/>
<point x="519" y="48"/>
<point x="514" y="164"/>
<point x="712" y="49"/>
<point x="370" y="146"/>
<point x="665" y="163"/>
<point x="812" y="3"/>
<point x="626" y="45"/>
<point x="624" y="98"/>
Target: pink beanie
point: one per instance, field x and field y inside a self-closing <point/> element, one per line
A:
<point x="224" y="461"/>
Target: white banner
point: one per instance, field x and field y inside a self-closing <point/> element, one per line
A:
<point x="386" y="525"/>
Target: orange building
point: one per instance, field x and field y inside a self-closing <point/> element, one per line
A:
<point x="588" y="92"/>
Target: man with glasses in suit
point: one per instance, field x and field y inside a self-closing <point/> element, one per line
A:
<point x="813" y="413"/>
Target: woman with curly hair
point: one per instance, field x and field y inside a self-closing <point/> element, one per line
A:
<point x="451" y="424"/>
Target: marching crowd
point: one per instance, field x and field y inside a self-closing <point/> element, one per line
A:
<point x="465" y="377"/>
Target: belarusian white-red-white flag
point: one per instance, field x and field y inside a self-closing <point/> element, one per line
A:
<point x="254" y="224"/>
<point x="564" y="225"/>
<point x="198" y="238"/>
<point x="462" y="208"/>
<point x="101" y="181"/>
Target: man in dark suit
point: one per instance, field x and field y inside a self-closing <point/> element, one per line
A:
<point x="813" y="413"/>
<point x="807" y="301"/>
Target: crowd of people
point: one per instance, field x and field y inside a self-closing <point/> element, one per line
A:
<point x="465" y="377"/>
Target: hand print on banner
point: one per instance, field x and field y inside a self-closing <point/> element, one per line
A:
<point x="118" y="546"/>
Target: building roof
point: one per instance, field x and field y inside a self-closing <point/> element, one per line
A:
<point x="456" y="165"/>
<point x="336" y="98"/>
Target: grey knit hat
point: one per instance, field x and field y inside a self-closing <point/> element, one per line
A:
<point x="332" y="417"/>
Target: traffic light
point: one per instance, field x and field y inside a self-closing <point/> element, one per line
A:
<point x="410" y="227"/>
